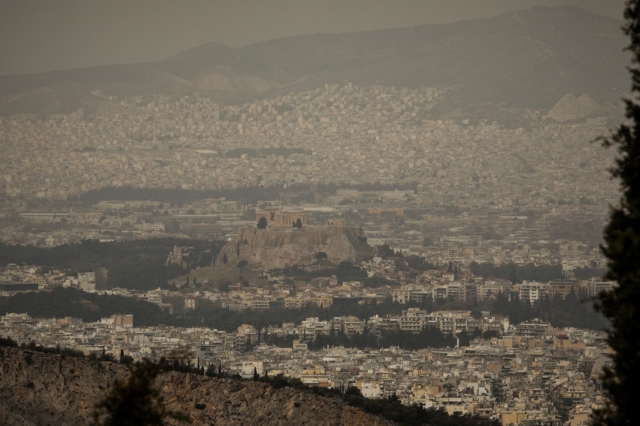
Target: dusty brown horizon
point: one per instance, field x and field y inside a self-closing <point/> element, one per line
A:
<point x="39" y="36"/>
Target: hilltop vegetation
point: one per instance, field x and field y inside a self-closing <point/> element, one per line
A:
<point x="248" y="195"/>
<point x="89" y="307"/>
<point x="138" y="264"/>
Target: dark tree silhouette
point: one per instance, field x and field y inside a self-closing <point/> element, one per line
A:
<point x="136" y="402"/>
<point x="385" y="251"/>
<point x="241" y="265"/>
<point x="225" y="258"/>
<point x="262" y="223"/>
<point x="298" y="223"/>
<point x="622" y="248"/>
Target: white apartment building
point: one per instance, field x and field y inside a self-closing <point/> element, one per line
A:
<point x="531" y="291"/>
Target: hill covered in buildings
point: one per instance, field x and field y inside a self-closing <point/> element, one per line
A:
<point x="529" y="59"/>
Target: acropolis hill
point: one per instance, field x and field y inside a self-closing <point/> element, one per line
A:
<point x="282" y="246"/>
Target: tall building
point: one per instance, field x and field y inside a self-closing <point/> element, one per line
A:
<point x="531" y="291"/>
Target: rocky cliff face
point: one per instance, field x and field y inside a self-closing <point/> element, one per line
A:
<point x="280" y="248"/>
<point x="570" y="108"/>
<point x="40" y="389"/>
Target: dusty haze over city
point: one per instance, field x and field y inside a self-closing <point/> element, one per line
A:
<point x="39" y="36"/>
<point x="384" y="206"/>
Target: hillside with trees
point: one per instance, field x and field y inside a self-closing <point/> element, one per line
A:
<point x="137" y="264"/>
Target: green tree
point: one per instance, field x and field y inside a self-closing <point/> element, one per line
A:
<point x="136" y="402"/>
<point x="476" y="313"/>
<point x="622" y="248"/>
<point x="241" y="265"/>
<point x="385" y="251"/>
<point x="464" y="339"/>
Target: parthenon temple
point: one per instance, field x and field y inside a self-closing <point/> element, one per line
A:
<point x="281" y="218"/>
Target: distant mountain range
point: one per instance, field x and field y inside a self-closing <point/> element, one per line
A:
<point x="525" y="59"/>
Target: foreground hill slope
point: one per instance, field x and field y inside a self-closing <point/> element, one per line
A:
<point x="43" y="389"/>
<point x="529" y="58"/>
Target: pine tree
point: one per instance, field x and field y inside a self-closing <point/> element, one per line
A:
<point x="135" y="402"/>
<point x="622" y="248"/>
<point x="241" y="265"/>
<point x="513" y="274"/>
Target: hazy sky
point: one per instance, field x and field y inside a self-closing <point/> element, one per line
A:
<point x="45" y="35"/>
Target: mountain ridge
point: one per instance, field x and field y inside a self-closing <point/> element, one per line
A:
<point x="526" y="59"/>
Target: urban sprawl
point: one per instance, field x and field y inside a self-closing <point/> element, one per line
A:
<point x="447" y="195"/>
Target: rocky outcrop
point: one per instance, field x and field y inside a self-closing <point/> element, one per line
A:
<point x="215" y="81"/>
<point x="245" y="84"/>
<point x="40" y="389"/>
<point x="571" y="108"/>
<point x="277" y="248"/>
